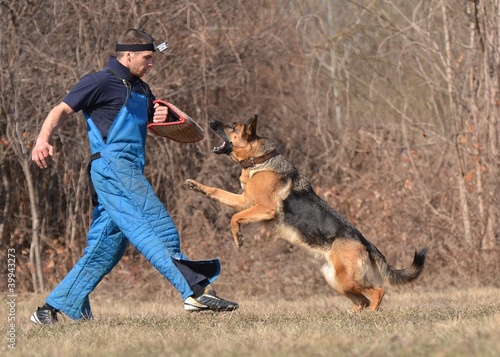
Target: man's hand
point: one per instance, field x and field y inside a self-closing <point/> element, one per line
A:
<point x="40" y="153"/>
<point x="43" y="149"/>
<point x="161" y="113"/>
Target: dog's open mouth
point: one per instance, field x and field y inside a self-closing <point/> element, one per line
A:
<point x="225" y="148"/>
<point x="218" y="128"/>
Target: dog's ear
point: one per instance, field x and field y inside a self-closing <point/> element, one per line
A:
<point x="251" y="126"/>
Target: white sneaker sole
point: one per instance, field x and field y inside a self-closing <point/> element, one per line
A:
<point x="190" y="304"/>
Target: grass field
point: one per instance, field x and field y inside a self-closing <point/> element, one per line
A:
<point x="410" y="323"/>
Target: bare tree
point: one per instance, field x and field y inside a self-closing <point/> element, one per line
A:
<point x="391" y="107"/>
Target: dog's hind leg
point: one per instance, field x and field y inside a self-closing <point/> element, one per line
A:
<point x="365" y="279"/>
<point x="359" y="301"/>
<point x="375" y="294"/>
<point x="351" y="264"/>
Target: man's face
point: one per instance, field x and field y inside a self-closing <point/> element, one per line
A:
<point x="140" y="62"/>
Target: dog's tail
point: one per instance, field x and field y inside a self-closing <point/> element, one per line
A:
<point x="397" y="276"/>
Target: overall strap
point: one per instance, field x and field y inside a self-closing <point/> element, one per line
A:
<point x="145" y="88"/>
<point x="124" y="81"/>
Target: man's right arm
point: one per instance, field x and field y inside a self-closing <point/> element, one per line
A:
<point x="52" y="122"/>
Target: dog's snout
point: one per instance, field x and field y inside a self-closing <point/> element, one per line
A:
<point x="214" y="124"/>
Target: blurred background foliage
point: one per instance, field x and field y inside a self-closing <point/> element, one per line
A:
<point x="390" y="107"/>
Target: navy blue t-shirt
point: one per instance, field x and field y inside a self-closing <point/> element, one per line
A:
<point x="102" y="94"/>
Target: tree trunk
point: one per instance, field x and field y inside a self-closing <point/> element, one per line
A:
<point x="35" y="248"/>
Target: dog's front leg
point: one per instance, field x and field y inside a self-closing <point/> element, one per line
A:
<point x="232" y="200"/>
<point x="256" y="213"/>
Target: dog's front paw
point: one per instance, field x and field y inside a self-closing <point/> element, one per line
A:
<point x="193" y="185"/>
<point x="238" y="240"/>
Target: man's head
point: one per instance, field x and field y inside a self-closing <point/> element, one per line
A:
<point x="134" y="49"/>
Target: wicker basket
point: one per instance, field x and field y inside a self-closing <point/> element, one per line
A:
<point x="178" y="127"/>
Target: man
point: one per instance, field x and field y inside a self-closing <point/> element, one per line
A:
<point x="117" y="105"/>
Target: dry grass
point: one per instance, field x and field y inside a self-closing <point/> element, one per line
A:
<point x="411" y="323"/>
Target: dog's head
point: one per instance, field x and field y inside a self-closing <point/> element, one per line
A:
<point x="236" y="136"/>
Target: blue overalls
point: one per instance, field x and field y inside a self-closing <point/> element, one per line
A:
<point x="127" y="210"/>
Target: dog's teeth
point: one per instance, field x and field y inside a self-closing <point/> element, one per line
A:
<point x="220" y="147"/>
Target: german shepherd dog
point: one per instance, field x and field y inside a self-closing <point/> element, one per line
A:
<point x="274" y="191"/>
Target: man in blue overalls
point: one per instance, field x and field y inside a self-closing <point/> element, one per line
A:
<point x="118" y="105"/>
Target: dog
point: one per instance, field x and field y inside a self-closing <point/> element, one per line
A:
<point x="275" y="191"/>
